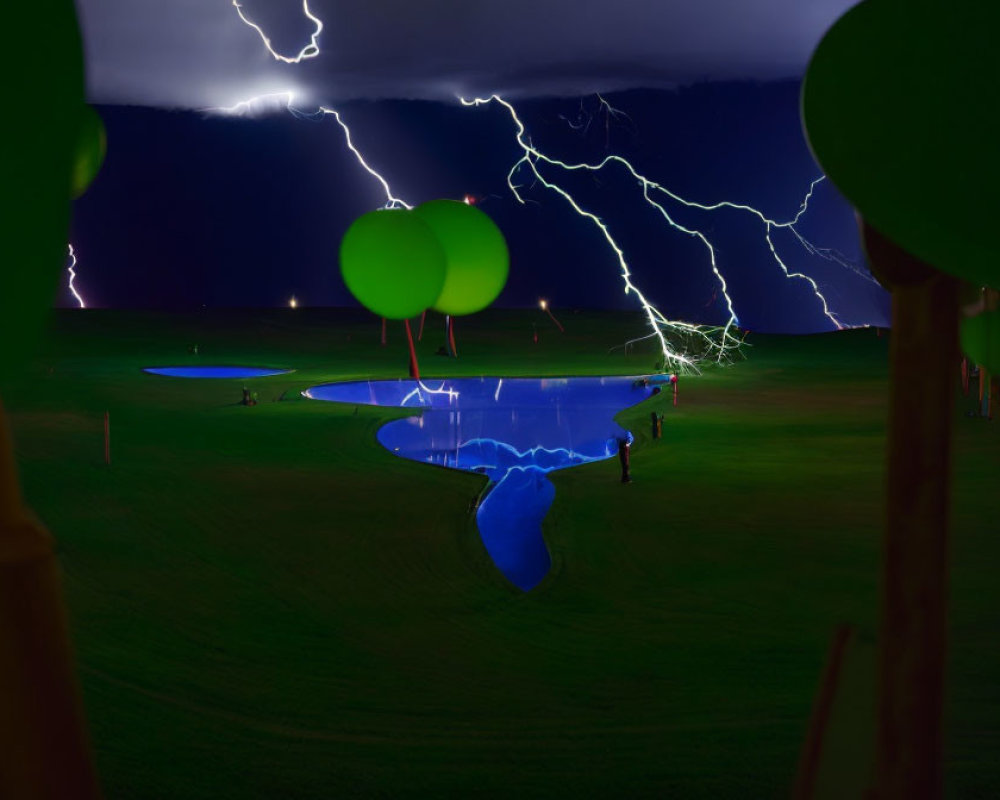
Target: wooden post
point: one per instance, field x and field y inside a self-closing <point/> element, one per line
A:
<point x="808" y="770"/>
<point x="420" y="333"/>
<point x="623" y="458"/>
<point x="107" y="439"/>
<point x="553" y="318"/>
<point x="923" y="349"/>
<point x="985" y="408"/>
<point x="383" y="331"/>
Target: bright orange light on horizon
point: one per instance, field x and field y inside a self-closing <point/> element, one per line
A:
<point x="293" y="303"/>
<point x="543" y="304"/>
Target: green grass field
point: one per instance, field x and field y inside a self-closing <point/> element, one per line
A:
<point x="266" y="604"/>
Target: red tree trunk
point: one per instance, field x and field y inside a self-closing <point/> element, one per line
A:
<point x="414" y="367"/>
<point x="452" y="350"/>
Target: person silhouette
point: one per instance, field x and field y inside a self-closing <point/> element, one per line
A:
<point x="623" y="457"/>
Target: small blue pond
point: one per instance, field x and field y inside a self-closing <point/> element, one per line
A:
<point x="513" y="430"/>
<point x="215" y="372"/>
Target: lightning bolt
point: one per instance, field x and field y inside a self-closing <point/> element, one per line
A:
<point x="452" y="394"/>
<point x="531" y="453"/>
<point x="391" y="201"/>
<point x="714" y="340"/>
<point x="72" y="276"/>
<point x="311" y="50"/>
<point x="768" y="223"/>
<point x="254" y="104"/>
<point x="700" y="341"/>
<point x="834" y="255"/>
<point x="535" y="459"/>
<point x="248" y="107"/>
<point x="722" y="340"/>
<point x="584" y="117"/>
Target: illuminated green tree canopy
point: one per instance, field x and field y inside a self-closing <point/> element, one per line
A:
<point x="896" y="116"/>
<point x="981" y="340"/>
<point x="91" y="148"/>
<point x="392" y="263"/>
<point x="476" y="255"/>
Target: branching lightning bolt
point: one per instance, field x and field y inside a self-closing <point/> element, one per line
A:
<point x="311" y="50"/>
<point x="72" y="276"/>
<point x="529" y="456"/>
<point x="720" y="340"/>
<point x="251" y="105"/>
<point x="246" y="107"/>
<point x="443" y="389"/>
<point x="391" y="201"/>
<point x="585" y="117"/>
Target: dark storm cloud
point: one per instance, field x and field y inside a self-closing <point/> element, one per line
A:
<point x="198" y="53"/>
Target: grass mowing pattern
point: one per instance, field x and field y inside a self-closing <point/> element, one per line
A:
<point x="265" y="603"/>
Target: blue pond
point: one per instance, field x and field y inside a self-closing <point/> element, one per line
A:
<point x="215" y="372"/>
<point x="515" y="431"/>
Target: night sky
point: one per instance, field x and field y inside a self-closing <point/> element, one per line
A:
<point x="196" y="208"/>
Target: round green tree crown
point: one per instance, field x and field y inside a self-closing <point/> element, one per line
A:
<point x="392" y="263"/>
<point x="91" y="148"/>
<point x="980" y="337"/>
<point x="898" y="105"/>
<point x="476" y="255"/>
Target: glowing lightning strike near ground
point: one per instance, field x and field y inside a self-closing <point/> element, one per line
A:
<point x="72" y="277"/>
<point x="311" y="50"/>
<point x="655" y="317"/>
<point x="725" y="340"/>
<point x="719" y="341"/>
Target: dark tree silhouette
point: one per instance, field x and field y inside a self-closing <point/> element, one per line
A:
<point x="893" y="108"/>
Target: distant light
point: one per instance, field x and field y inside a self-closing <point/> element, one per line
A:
<point x="469" y="200"/>
<point x="293" y="303"/>
<point x="543" y="304"/>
